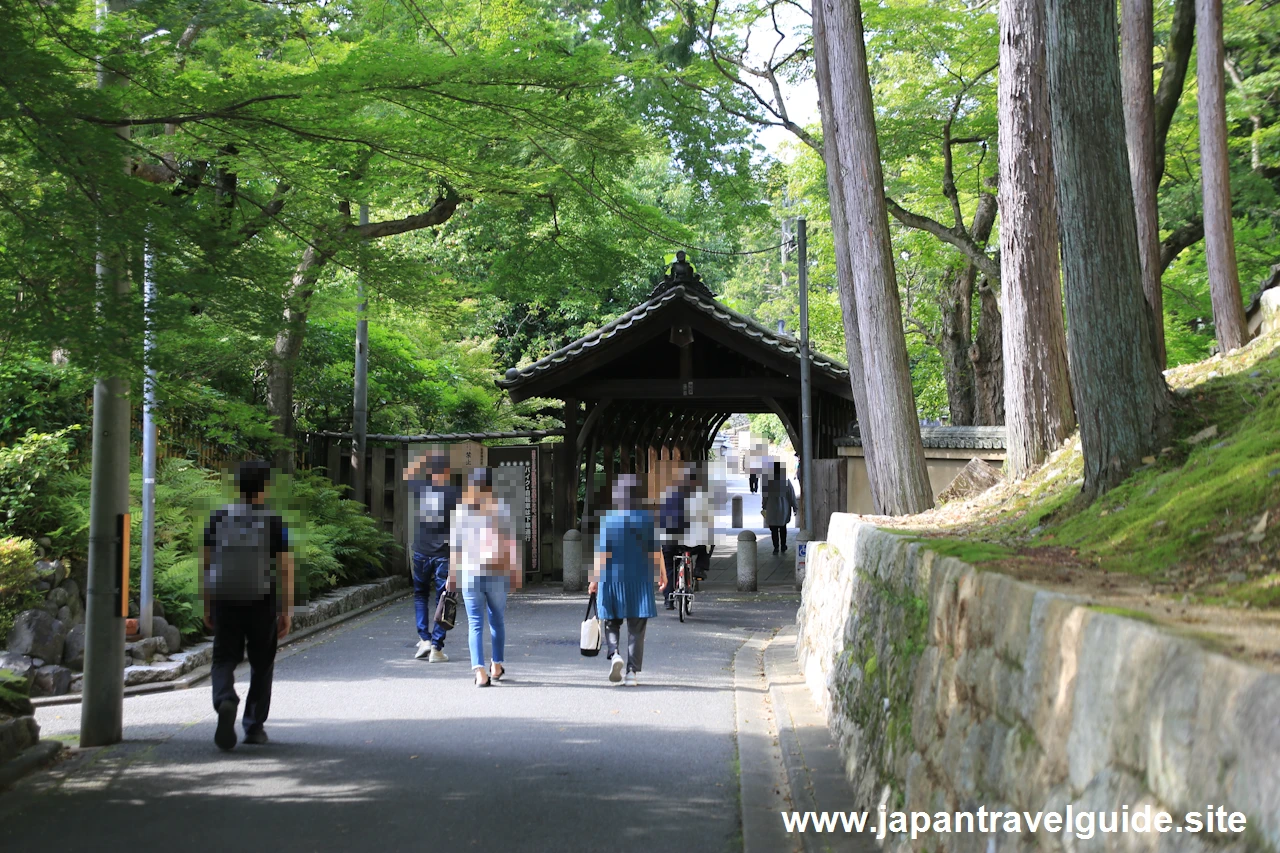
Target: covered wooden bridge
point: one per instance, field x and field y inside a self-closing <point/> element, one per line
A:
<point x="656" y="384"/>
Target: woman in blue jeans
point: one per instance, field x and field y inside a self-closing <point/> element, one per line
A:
<point x="483" y="549"/>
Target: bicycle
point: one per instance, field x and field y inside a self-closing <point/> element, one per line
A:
<point x="683" y="590"/>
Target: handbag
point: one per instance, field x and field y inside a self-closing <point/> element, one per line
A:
<point x="447" y="610"/>
<point x="589" y="642"/>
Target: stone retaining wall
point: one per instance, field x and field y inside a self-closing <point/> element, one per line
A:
<point x="948" y="689"/>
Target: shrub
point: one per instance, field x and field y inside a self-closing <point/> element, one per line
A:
<point x="17" y="563"/>
<point x="29" y="480"/>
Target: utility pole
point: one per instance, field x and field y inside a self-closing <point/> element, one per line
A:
<point x="148" y="566"/>
<point x="360" y="409"/>
<point x="806" y="389"/>
<point x="102" y="708"/>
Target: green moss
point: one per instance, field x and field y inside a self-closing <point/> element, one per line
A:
<point x="1139" y="615"/>
<point x="970" y="551"/>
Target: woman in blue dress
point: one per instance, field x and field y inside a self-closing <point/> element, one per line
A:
<point x="627" y="564"/>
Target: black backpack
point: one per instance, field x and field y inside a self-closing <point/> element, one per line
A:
<point x="240" y="565"/>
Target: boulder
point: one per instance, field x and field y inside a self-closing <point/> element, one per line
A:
<point x="51" y="571"/>
<point x="37" y="634"/>
<point x="51" y="680"/>
<point x="41" y="586"/>
<point x="73" y="650"/>
<point x="146" y="649"/>
<point x="19" y="665"/>
<point x="72" y="588"/>
<point x="973" y="479"/>
<point x="158" y="624"/>
<point x="173" y="638"/>
<point x="58" y="596"/>
<point x="50" y="607"/>
<point x="157" y="609"/>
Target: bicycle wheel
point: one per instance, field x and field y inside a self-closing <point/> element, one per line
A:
<point x="688" y="606"/>
<point x="680" y="607"/>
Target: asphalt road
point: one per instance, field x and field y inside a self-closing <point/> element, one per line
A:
<point x="373" y="750"/>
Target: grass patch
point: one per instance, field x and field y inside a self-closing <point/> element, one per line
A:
<point x="970" y="551"/>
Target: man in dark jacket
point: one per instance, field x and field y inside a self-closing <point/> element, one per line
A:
<point x="432" y="501"/>
<point x="247" y="584"/>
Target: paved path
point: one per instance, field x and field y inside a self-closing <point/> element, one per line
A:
<point x="372" y="750"/>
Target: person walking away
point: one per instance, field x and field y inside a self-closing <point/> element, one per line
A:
<point x="246" y="582"/>
<point x="776" y="505"/>
<point x="627" y="564"/>
<point x="671" y="518"/>
<point x="486" y="561"/>
<point x="432" y="500"/>
<point x="700" y="513"/>
<point x="753" y="482"/>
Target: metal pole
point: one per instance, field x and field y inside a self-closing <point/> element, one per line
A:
<point x="148" y="544"/>
<point x="806" y="389"/>
<point x="360" y="414"/>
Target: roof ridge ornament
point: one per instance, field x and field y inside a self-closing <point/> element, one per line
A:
<point x="681" y="273"/>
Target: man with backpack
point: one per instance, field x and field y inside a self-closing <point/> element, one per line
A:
<point x="247" y="585"/>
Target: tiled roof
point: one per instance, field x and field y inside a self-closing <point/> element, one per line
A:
<point x="949" y="438"/>
<point x="710" y="307"/>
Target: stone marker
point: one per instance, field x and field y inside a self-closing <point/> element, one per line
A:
<point x="737" y="511"/>
<point x="747" y="552"/>
<point x="573" y="574"/>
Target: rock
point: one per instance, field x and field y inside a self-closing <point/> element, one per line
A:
<point x="19" y="665"/>
<point x="1148" y="460"/>
<point x="146" y="649"/>
<point x="42" y="586"/>
<point x="1228" y="538"/>
<point x="72" y="588"/>
<point x="173" y="638"/>
<point x="1270" y="308"/>
<point x="77" y="684"/>
<point x="974" y="479"/>
<point x="1261" y="526"/>
<point x="37" y="662"/>
<point x="49" y="607"/>
<point x="1255" y="538"/>
<point x="1207" y="432"/>
<point x="157" y="609"/>
<point x="38" y="634"/>
<point x="128" y="661"/>
<point x="158" y="624"/>
<point x="1237" y="577"/>
<point x="58" y="596"/>
<point x="51" y="680"/>
<point x="64" y="615"/>
<point x="73" y="651"/>
<point x="160" y="658"/>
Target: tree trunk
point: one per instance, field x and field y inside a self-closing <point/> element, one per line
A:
<point x="284" y="356"/>
<point x="954" y="342"/>
<point x="899" y="468"/>
<point x="1119" y="390"/>
<point x="1037" y="386"/>
<point x="1137" y="42"/>
<point x="1215" y="175"/>
<point x="1173" y="76"/>
<point x="844" y="258"/>
<point x="987" y="355"/>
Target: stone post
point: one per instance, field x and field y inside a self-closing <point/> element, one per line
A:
<point x="737" y="511"/>
<point x="573" y="575"/>
<point x="802" y="557"/>
<point x="746" y="560"/>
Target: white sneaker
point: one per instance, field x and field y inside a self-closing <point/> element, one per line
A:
<point x="615" y="668"/>
<point x="633" y="679"/>
<point x="424" y="649"/>
<point x="437" y="656"/>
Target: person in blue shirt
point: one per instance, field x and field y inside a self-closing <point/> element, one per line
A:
<point x="628" y="561"/>
<point x="431" y="501"/>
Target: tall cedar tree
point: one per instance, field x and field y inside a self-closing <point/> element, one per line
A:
<point x="1137" y="45"/>
<point x="1215" y="177"/>
<point x="841" y="238"/>
<point x="1038" y="413"/>
<point x="902" y="480"/>
<point x="1119" y="389"/>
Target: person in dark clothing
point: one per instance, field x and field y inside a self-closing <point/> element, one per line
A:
<point x="247" y="586"/>
<point x="776" y="505"/>
<point x="754" y="482"/>
<point x="432" y="500"/>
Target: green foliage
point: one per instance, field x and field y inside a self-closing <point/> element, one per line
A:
<point x="14" y="602"/>
<point x="26" y="467"/>
<point x="36" y="395"/>
<point x="14" y="689"/>
<point x="17" y="562"/>
<point x="334" y="540"/>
